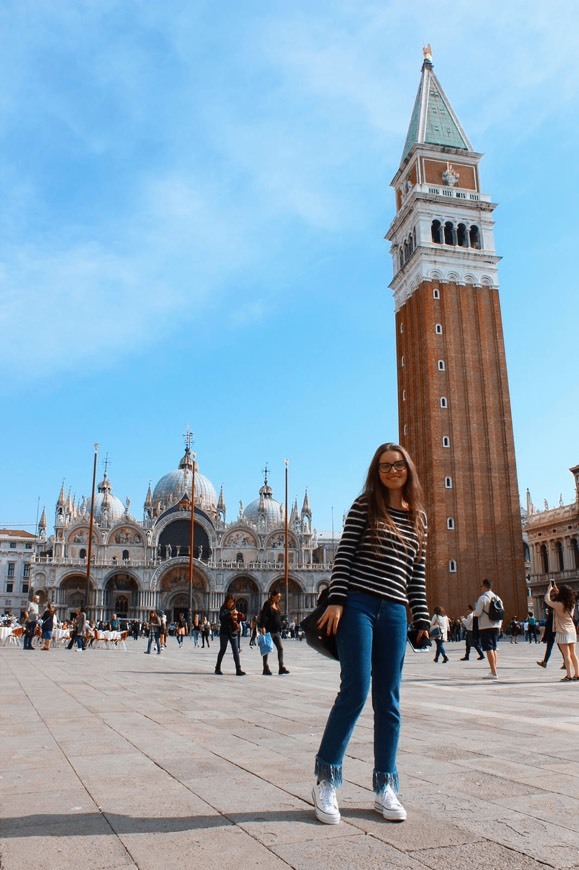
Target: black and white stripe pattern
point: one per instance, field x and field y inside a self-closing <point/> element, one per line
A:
<point x="395" y="569"/>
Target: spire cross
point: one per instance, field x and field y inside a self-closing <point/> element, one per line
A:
<point x="265" y="472"/>
<point x="188" y="436"/>
<point x="107" y="463"/>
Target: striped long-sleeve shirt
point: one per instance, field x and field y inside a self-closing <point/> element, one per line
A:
<point x="393" y="569"/>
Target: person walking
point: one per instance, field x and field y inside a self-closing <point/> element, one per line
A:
<point x="270" y="620"/>
<point x="488" y="628"/>
<point x="30" y="632"/>
<point x="155" y="627"/>
<point x="379" y="568"/>
<point x="439" y="631"/>
<point x="548" y="639"/>
<point x="47" y="627"/>
<point x="532" y="628"/>
<point x="181" y="628"/>
<point x="229" y="634"/>
<point x="205" y="632"/>
<point x="471" y="640"/>
<point x="79" y="625"/>
<point x="514" y="629"/>
<point x="562" y="600"/>
<point x="196" y="630"/>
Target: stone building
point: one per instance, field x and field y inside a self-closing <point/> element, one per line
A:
<point x="453" y="395"/>
<point x="553" y="540"/>
<point x="16" y="554"/>
<point x="139" y="564"/>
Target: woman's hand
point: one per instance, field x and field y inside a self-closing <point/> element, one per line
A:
<point x="331" y="618"/>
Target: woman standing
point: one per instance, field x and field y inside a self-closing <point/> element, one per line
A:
<point x="379" y="567"/>
<point x="47" y="627"/>
<point x="270" y="620"/>
<point x="562" y="600"/>
<point x="229" y="633"/>
<point x="181" y="628"/>
<point x="155" y="626"/>
<point x="196" y="630"/>
<point x="439" y="631"/>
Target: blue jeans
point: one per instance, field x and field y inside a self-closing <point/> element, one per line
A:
<point x="440" y="650"/>
<point x="371" y="645"/>
<point x="156" y="637"/>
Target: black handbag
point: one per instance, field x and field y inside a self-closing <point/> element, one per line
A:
<point x="318" y="639"/>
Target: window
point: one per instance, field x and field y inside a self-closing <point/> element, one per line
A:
<point x="436" y="293"/>
<point x="462" y="236"/>
<point x="25" y="587"/>
<point x="445" y="441"/>
<point x="441" y="365"/>
<point x="449" y="234"/>
<point x="443" y="402"/>
<point x="403" y="395"/>
<point x="125" y="555"/>
<point x="82" y="554"/>
<point x="452" y="566"/>
<point x="436" y="232"/>
<point x="12" y="545"/>
<point x="450" y="523"/>
<point x="11" y="569"/>
<point x="10" y="586"/>
<point x="405" y="430"/>
<point x="544" y="559"/>
<point x="438" y="329"/>
<point x="402" y="361"/>
<point x="475" y="237"/>
<point x="401" y="328"/>
<point x="448" y="482"/>
<point x="26" y="570"/>
<point x="27" y="546"/>
<point x="559" y="551"/>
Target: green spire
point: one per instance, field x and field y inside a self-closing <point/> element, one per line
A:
<point x="433" y="120"/>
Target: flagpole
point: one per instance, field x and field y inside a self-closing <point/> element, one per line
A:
<point x="90" y="527"/>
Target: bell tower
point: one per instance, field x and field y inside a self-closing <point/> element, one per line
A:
<point x="453" y="395"/>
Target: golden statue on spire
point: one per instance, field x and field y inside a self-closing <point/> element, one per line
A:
<point x="427" y="52"/>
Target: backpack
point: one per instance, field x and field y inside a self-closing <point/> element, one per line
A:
<point x="496" y="609"/>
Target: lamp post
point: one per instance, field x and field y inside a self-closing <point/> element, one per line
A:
<point x="286" y="541"/>
<point x="192" y="541"/>
<point x="89" y="555"/>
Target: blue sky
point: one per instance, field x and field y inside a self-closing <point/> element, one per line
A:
<point x="193" y="199"/>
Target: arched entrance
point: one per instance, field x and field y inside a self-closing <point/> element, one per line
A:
<point x="121" y="596"/>
<point x="71" y="596"/>
<point x="176" y="594"/>
<point x="246" y="593"/>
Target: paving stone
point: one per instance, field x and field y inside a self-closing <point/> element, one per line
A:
<point x="151" y="766"/>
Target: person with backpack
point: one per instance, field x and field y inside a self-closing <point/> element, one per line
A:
<point x="490" y="612"/>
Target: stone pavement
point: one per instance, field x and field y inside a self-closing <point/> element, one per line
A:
<point x="113" y="760"/>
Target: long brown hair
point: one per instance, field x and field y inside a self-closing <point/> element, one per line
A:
<point x="378" y="500"/>
<point x="566" y="596"/>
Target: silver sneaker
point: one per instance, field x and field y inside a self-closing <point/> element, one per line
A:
<point x="326" y="803"/>
<point x="387" y="803"/>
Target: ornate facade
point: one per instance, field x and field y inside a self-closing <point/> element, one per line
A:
<point x="553" y="540"/>
<point x="142" y="564"/>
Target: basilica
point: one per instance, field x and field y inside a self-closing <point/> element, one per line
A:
<point x="143" y="564"/>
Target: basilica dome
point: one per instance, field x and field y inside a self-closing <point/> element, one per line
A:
<point x="173" y="486"/>
<point x="106" y="502"/>
<point x="265" y="508"/>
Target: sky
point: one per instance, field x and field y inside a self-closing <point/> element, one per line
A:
<point x="193" y="203"/>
